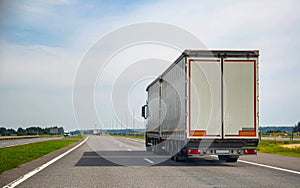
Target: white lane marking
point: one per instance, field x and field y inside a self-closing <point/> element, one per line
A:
<point x="38" y="169"/>
<point x="148" y="160"/>
<point x="266" y="166"/>
<point x="272" y="167"/>
<point x="135" y="140"/>
<point x="122" y="144"/>
<point x="129" y="149"/>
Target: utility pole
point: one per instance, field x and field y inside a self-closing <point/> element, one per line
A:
<point x="126" y="121"/>
<point x="121" y="123"/>
<point x="133" y="121"/>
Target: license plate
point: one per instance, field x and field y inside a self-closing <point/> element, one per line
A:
<point x="218" y="151"/>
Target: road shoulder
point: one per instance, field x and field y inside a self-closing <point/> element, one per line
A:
<point x="287" y="162"/>
<point x="13" y="174"/>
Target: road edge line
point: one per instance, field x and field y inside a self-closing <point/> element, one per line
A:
<point x="40" y="168"/>
<point x="268" y="166"/>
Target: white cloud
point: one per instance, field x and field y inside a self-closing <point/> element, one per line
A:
<point x="269" y="26"/>
<point x="37" y="65"/>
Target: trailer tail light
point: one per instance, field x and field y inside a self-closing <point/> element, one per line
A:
<point x="193" y="151"/>
<point x="250" y="151"/>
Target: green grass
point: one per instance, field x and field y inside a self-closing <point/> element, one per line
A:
<point x="274" y="147"/>
<point x="12" y="157"/>
<point x="78" y="136"/>
<point x="49" y="136"/>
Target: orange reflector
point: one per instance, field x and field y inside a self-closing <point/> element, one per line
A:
<point x="193" y="151"/>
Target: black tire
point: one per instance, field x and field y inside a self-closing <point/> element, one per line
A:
<point x="176" y="159"/>
<point x="228" y="158"/>
<point x="155" y="149"/>
<point x="148" y="148"/>
<point x="232" y="159"/>
<point x="172" y="158"/>
<point x="160" y="151"/>
<point x="222" y="157"/>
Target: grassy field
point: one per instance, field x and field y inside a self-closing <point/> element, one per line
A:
<point x="49" y="136"/>
<point x="78" y="136"/>
<point x="279" y="147"/>
<point x="12" y="157"/>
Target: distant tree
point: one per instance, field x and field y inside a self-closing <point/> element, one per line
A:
<point x="21" y="132"/>
<point x="61" y="130"/>
<point x="31" y="130"/>
<point x="3" y="131"/>
<point x="297" y="127"/>
<point x="10" y="132"/>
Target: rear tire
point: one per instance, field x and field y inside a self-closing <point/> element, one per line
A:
<point x="157" y="148"/>
<point x="148" y="148"/>
<point x="228" y="158"/>
<point x="232" y="160"/>
<point x="176" y="159"/>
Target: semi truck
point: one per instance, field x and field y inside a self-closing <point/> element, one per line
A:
<point x="205" y="103"/>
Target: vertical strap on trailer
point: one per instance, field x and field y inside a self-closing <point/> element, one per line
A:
<point x="222" y="95"/>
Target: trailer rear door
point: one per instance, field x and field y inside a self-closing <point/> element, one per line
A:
<point x="222" y="97"/>
<point x="240" y="97"/>
<point x="204" y="93"/>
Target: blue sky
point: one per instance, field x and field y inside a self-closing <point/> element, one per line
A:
<point x="53" y="23"/>
<point x="43" y="42"/>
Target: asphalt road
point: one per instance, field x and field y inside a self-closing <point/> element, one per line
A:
<point x="100" y="163"/>
<point x="9" y="143"/>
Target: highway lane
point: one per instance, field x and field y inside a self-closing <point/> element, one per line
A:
<point x="98" y="163"/>
<point x="9" y="143"/>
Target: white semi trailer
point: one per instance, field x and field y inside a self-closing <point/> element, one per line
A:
<point x="205" y="103"/>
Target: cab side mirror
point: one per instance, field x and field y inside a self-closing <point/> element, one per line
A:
<point x="145" y="111"/>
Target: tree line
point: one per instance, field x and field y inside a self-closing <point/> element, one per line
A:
<point x="29" y="131"/>
<point x="297" y="127"/>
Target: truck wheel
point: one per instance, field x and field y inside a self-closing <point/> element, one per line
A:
<point x="232" y="158"/>
<point x="176" y="159"/>
<point x="222" y="157"/>
<point x="159" y="151"/>
<point x="156" y="149"/>
<point x="228" y="158"/>
<point x="148" y="148"/>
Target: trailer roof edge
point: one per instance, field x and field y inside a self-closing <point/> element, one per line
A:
<point x="208" y="53"/>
